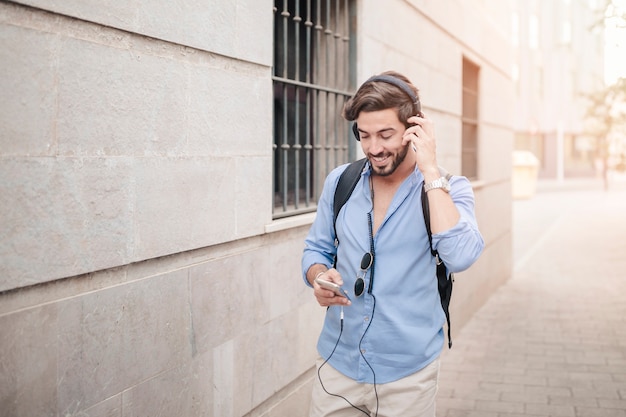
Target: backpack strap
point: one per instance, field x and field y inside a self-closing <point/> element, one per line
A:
<point x="347" y="181"/>
<point x="444" y="282"/>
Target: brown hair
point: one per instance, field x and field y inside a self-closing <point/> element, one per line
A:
<point x="380" y="95"/>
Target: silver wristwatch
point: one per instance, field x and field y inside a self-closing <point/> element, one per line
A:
<point x="441" y="182"/>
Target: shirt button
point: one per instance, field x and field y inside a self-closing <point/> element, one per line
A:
<point x="366" y="319"/>
<point x="362" y="350"/>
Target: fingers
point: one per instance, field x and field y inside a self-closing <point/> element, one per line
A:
<point x="410" y="138"/>
<point x="420" y="126"/>
<point x="327" y="297"/>
<point x="419" y="120"/>
<point x="333" y="275"/>
<point x="421" y="129"/>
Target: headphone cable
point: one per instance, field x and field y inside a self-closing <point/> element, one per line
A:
<point x="326" y="361"/>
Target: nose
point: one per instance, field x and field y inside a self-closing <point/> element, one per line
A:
<point x="376" y="147"/>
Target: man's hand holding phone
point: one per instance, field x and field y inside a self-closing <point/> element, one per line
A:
<point x="421" y="136"/>
<point x="328" y="289"/>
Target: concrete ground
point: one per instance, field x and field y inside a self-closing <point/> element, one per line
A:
<point x="552" y="341"/>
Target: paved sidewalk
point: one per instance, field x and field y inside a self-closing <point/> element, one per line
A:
<point x="551" y="341"/>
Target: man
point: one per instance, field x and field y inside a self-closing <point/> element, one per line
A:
<point x="380" y="349"/>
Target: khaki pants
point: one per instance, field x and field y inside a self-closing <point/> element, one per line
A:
<point x="412" y="396"/>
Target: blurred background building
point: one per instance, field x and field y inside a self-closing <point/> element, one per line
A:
<point x="559" y="59"/>
<point x="160" y="167"/>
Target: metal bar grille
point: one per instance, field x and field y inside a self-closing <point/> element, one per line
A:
<point x="313" y="67"/>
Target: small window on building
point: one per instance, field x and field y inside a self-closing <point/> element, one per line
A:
<point x="313" y="76"/>
<point x="469" y="157"/>
<point x="533" y="32"/>
<point x="515" y="30"/>
<point x="566" y="32"/>
<point x="539" y="81"/>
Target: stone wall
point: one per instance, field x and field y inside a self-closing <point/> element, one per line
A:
<point x="140" y="270"/>
<point x="117" y="145"/>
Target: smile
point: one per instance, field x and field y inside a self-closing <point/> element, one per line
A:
<point x="380" y="159"/>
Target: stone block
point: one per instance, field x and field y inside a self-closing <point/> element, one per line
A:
<point x="113" y="339"/>
<point x="310" y="320"/>
<point x="249" y="198"/>
<point x="177" y="205"/>
<point x="229" y="112"/>
<point x="256" y="366"/>
<point x="167" y="394"/>
<point x="224" y="380"/>
<point x="247" y="367"/>
<point x="63" y="216"/>
<point x="495" y="141"/>
<point x="493" y="210"/>
<point x="286" y="276"/>
<point x="115" y="103"/>
<point x="28" y="360"/>
<point x="153" y="101"/>
<point x="28" y="88"/>
<point x="227" y="297"/>
<point x="296" y="404"/>
<point x="111" y="407"/>
<point x="210" y="26"/>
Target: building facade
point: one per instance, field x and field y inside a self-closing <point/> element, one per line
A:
<point x="552" y="78"/>
<point x="156" y="188"/>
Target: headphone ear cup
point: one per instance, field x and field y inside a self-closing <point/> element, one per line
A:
<point x="355" y="130"/>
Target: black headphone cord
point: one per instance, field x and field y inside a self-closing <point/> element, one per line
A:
<point x="363" y="356"/>
<point x="326" y="361"/>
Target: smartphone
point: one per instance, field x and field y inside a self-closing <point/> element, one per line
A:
<point x="333" y="287"/>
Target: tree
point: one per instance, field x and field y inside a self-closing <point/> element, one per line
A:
<point x="611" y="13"/>
<point x="606" y="120"/>
<point x="606" y="114"/>
<point x="615" y="13"/>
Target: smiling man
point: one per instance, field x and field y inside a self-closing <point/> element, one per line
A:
<point x="381" y="341"/>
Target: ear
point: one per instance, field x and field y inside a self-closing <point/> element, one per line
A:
<point x="355" y="130"/>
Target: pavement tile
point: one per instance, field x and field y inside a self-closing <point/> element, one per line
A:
<point x="617" y="404"/>
<point x="469" y="413"/>
<point x="550" y="410"/>
<point x="599" y="412"/>
<point x="574" y="401"/>
<point x="536" y="397"/>
<point x="466" y="413"/>
<point x="612" y="393"/>
<point x="499" y="406"/>
<point x="552" y="341"/>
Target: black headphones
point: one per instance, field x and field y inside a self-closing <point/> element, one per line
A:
<point x="398" y="83"/>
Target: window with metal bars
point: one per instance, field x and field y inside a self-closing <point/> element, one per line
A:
<point x="313" y="76"/>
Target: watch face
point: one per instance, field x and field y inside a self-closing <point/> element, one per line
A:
<point x="439" y="183"/>
<point x="446" y="184"/>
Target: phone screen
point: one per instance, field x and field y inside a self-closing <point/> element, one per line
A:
<point x="333" y="287"/>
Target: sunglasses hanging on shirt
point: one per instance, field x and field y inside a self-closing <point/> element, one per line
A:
<point x="359" y="284"/>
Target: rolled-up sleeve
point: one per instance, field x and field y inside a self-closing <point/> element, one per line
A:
<point x="319" y="245"/>
<point x="460" y="246"/>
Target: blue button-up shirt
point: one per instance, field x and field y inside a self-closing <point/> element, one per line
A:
<point x="398" y="328"/>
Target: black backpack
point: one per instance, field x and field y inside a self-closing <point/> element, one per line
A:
<point x="347" y="181"/>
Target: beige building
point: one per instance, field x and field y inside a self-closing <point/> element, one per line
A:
<point x="559" y="57"/>
<point x="159" y="169"/>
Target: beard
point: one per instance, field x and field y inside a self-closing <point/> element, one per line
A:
<point x="390" y="168"/>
